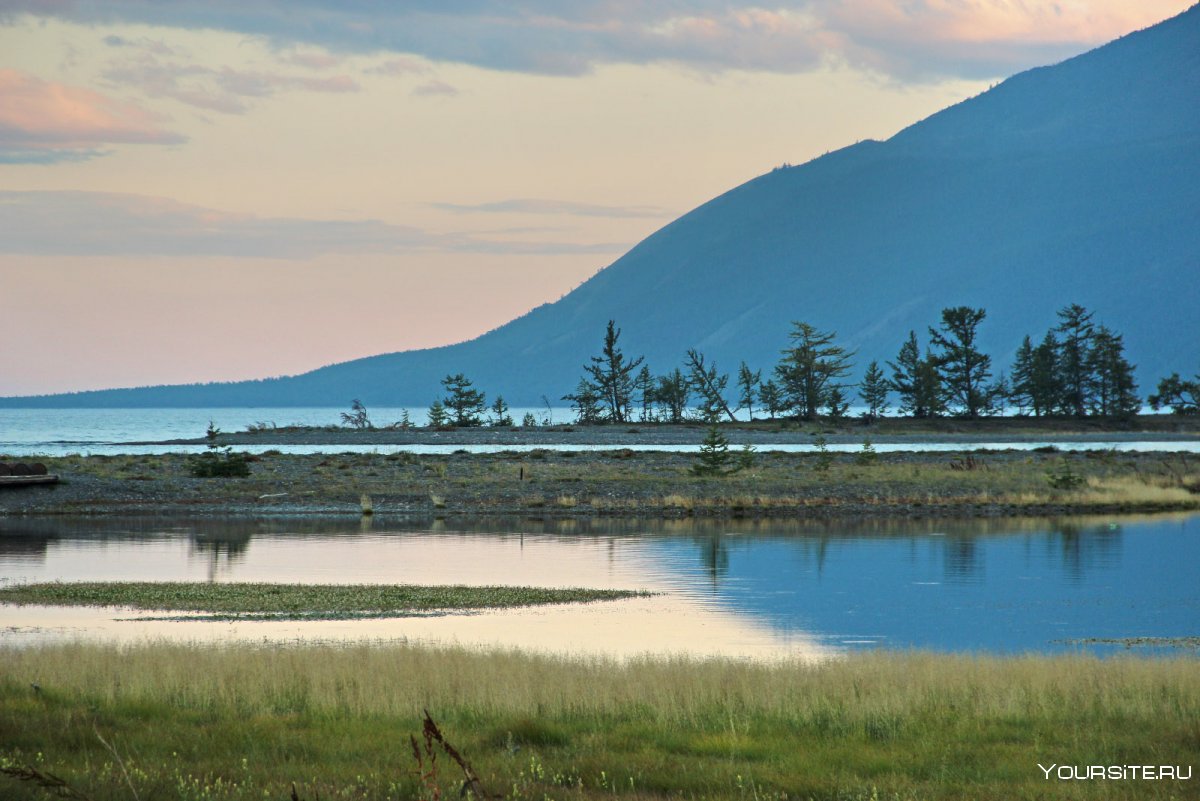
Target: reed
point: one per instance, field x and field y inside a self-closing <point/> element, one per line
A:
<point x="244" y="722"/>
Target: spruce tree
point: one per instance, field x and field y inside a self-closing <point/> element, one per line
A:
<point x="1078" y="331"/>
<point x="771" y="398"/>
<point x="1021" y="392"/>
<point x="643" y="385"/>
<point x="915" y="380"/>
<point x="1112" y="376"/>
<point x="874" y="391"/>
<point x="500" y="415"/>
<point x="585" y="400"/>
<point x="437" y="415"/>
<point x="714" y="458"/>
<point x="1045" y="384"/>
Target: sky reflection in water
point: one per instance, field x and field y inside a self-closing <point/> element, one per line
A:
<point x="763" y="589"/>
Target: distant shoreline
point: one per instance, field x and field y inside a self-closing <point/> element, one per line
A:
<point x="897" y="431"/>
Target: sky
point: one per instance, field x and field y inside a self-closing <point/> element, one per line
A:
<point x="208" y="191"/>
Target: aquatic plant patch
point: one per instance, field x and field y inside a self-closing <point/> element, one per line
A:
<point x="233" y="601"/>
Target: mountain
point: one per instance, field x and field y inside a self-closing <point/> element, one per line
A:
<point x="1076" y="183"/>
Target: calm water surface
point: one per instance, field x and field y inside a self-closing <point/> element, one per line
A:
<point x="758" y="588"/>
<point x="59" y="432"/>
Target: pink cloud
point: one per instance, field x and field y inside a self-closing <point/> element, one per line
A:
<point x="225" y="89"/>
<point x="41" y="118"/>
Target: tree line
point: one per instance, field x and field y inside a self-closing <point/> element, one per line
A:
<point x="1078" y="368"/>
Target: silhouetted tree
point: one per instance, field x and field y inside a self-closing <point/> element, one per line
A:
<point x="672" y="395"/>
<point x="709" y="385"/>
<point x="1075" y="325"/>
<point x="463" y="403"/>
<point x="612" y="376"/>
<point x="357" y="416"/>
<point x="836" y="404"/>
<point x="585" y="400"/>
<point x="1182" y="396"/>
<point x="772" y="398"/>
<point x="810" y="368"/>
<point x="437" y="415"/>
<point x="1045" y="385"/>
<point x="643" y="385"/>
<point x="1021" y="392"/>
<point x="962" y="367"/>
<point x="1114" y="388"/>
<point x="874" y="391"/>
<point x="915" y="380"/>
<point x="748" y="382"/>
<point x="500" y="415"/>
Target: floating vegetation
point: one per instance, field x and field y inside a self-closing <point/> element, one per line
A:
<point x="247" y="601"/>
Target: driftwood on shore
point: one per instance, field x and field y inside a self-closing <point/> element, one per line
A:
<point x="16" y="474"/>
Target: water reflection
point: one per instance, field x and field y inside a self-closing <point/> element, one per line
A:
<point x="748" y="587"/>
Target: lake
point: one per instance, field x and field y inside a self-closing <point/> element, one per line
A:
<point x="752" y="588"/>
<point x="59" y="432"/>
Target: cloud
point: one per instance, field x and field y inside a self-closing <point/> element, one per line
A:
<point x="222" y="89"/>
<point x="400" y="66"/>
<point x="434" y="88"/>
<point x="543" y="207"/>
<point x="903" y="38"/>
<point x="43" y="122"/>
<point x="111" y="224"/>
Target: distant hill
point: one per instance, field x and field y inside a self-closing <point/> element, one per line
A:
<point x="1076" y="183"/>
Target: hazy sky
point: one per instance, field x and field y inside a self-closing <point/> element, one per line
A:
<point x="197" y="191"/>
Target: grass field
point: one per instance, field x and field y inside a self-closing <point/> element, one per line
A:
<point x="170" y="721"/>
<point x="624" y="483"/>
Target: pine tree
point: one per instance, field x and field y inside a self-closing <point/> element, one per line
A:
<point x="836" y="404"/>
<point x="1075" y="324"/>
<point x="962" y="367"/>
<point x="464" y="403"/>
<point x="612" y="376"/>
<point x="810" y="368"/>
<point x="874" y="391"/>
<point x="748" y="382"/>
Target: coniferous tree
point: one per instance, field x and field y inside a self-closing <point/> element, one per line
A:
<point x="771" y="398"/>
<point x="673" y="395"/>
<point x="1021" y="392"/>
<point x="1181" y="395"/>
<point x="612" y="376"/>
<point x="714" y="458"/>
<point x="709" y="385"/>
<point x="810" y="369"/>
<point x="643" y="386"/>
<point x="836" y="404"/>
<point x="962" y="367"/>
<point x="500" y="415"/>
<point x="915" y="380"/>
<point x="1045" y="385"/>
<point x="585" y="400"/>
<point x="1075" y="325"/>
<point x="463" y="403"/>
<point x="874" y="391"/>
<point x="1115" y="391"/>
<point x="437" y="415"/>
<point x="748" y="382"/>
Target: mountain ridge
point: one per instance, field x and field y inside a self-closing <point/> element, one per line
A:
<point x="1072" y="183"/>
